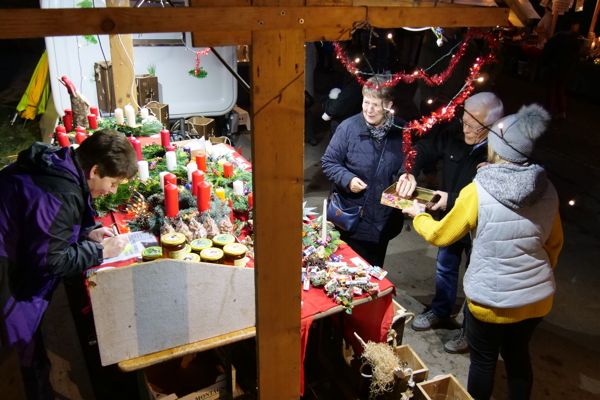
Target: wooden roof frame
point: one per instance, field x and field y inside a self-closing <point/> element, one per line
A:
<point x="277" y="31"/>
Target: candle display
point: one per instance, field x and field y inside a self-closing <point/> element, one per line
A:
<point x="220" y="192"/>
<point x="191" y="167"/>
<point x="171" y="160"/>
<point x="63" y="139"/>
<point x="228" y="169"/>
<point x="324" y="222"/>
<point x="165" y="138"/>
<point x="137" y="146"/>
<point x="80" y="137"/>
<point x="130" y="114"/>
<point x="203" y="196"/>
<point x="92" y="121"/>
<point x="171" y="200"/>
<point x="238" y="188"/>
<point x="201" y="161"/>
<point x="119" y="120"/>
<point x="144" y="113"/>
<point x="143" y="170"/>
<point x="68" y="122"/>
<point x="197" y="177"/>
<point x="161" y="177"/>
<point x="94" y="110"/>
<point x="250" y="199"/>
<point x="170" y="178"/>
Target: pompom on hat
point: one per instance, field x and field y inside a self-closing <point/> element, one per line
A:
<point x="513" y="137"/>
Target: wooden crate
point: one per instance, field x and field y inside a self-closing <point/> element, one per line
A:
<point x="105" y="87"/>
<point x="420" y="370"/>
<point x="147" y="89"/>
<point x="445" y="387"/>
<point x="243" y="117"/>
<point x="161" y="111"/>
<point x="204" y="127"/>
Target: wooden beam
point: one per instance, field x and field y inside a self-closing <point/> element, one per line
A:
<point x="517" y="17"/>
<point x="28" y="23"/>
<point x="278" y="181"/>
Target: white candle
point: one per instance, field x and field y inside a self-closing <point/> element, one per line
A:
<point x="119" y="116"/>
<point x="162" y="179"/>
<point x="238" y="188"/>
<point x="143" y="170"/>
<point x="144" y="113"/>
<point x="191" y="167"/>
<point x="130" y="114"/>
<point x="171" y="160"/>
<point x="324" y="218"/>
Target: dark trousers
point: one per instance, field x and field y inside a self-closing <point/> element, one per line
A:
<point x="446" y="277"/>
<point x="486" y="341"/>
<point x="373" y="253"/>
<point x="36" y="377"/>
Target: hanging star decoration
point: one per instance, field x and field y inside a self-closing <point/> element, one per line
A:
<point x="307" y="211"/>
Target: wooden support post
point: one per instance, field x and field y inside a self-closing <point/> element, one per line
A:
<point x="278" y="171"/>
<point x="594" y="18"/>
<point x="121" y="55"/>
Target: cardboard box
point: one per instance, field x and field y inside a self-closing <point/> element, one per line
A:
<point x="161" y="111"/>
<point x="193" y="377"/>
<point x="147" y="89"/>
<point x="105" y="86"/>
<point x="203" y="127"/>
<point x="390" y="198"/>
<point x="442" y="387"/>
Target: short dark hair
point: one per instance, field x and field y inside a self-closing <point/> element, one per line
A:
<point x="111" y="152"/>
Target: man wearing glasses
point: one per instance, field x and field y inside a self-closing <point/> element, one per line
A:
<point x="462" y="147"/>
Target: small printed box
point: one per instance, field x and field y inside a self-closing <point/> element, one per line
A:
<point x="161" y="112"/>
<point x="442" y="387"/>
<point x="390" y="198"/>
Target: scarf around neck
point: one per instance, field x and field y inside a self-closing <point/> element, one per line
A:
<point x="379" y="133"/>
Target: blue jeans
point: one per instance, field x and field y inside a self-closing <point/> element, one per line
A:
<point x="446" y="277"/>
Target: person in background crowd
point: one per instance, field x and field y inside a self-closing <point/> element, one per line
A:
<point x="512" y="211"/>
<point x="462" y="147"/>
<point x="363" y="159"/>
<point x="47" y="231"/>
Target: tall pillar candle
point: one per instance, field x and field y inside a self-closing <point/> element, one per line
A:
<point x="119" y="120"/>
<point x="137" y="146"/>
<point x="68" y="111"/>
<point x="201" y="161"/>
<point x="220" y="192"/>
<point x="80" y="129"/>
<point x="203" y="190"/>
<point x="94" y="110"/>
<point x="191" y="167"/>
<point x="171" y="160"/>
<point x="250" y="200"/>
<point x="324" y="222"/>
<point x="80" y="137"/>
<point x="144" y="113"/>
<point x="130" y="114"/>
<point x="92" y="121"/>
<point x="143" y="170"/>
<point x="171" y="200"/>
<point x="197" y="177"/>
<point x="238" y="188"/>
<point x="68" y="122"/>
<point x="63" y="139"/>
<point x="165" y="138"/>
<point x="228" y="169"/>
<point x="170" y="178"/>
<point x="60" y="128"/>
<point x="161" y="177"/>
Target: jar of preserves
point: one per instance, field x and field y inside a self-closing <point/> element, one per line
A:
<point x="192" y="257"/>
<point x="223" y="239"/>
<point x="200" y="244"/>
<point x="212" y="255"/>
<point x="151" y="253"/>
<point x="234" y="254"/>
<point x="173" y="245"/>
<point x="188" y="249"/>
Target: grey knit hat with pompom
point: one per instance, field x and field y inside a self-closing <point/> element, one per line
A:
<point x="513" y="137"/>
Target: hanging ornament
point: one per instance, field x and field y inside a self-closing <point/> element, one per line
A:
<point x="198" y="71"/>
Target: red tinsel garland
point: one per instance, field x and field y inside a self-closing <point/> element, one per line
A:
<point x="198" y="54"/>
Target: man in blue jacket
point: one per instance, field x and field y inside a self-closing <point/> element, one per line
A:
<point x="47" y="231"/>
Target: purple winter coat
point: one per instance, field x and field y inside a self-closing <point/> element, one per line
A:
<point x="45" y="217"/>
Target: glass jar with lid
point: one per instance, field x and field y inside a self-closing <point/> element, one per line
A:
<point x="173" y="245"/>
<point x="212" y="255"/>
<point x="234" y="254"/>
<point x="223" y="239"/>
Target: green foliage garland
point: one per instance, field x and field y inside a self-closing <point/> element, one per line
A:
<point x="142" y="130"/>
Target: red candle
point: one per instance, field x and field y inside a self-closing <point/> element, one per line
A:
<point x="80" y="137"/>
<point x="231" y="210"/>
<point x="197" y="177"/>
<point x="170" y="148"/>
<point x="94" y="110"/>
<point x="201" y="161"/>
<point x="250" y="199"/>
<point x="68" y="122"/>
<point x="203" y="196"/>
<point x="171" y="200"/>
<point x="227" y="169"/>
<point x="165" y="138"/>
<point x="80" y="129"/>
<point x="60" y="128"/>
<point x="137" y="146"/>
<point x="63" y="139"/>
<point x="92" y="121"/>
<point x="170" y="178"/>
<point x="68" y="111"/>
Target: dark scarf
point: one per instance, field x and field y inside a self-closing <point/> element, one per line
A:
<point x="379" y="133"/>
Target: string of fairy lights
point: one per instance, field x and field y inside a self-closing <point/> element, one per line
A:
<point x="446" y="113"/>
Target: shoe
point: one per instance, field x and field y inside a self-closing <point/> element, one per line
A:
<point x="457" y="345"/>
<point x="425" y="321"/>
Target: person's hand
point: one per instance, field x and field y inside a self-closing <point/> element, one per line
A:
<point x="357" y="185"/>
<point x="406" y="185"/>
<point x="413" y="210"/>
<point x="98" y="235"/>
<point x="442" y="202"/>
<point x="113" y="246"/>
